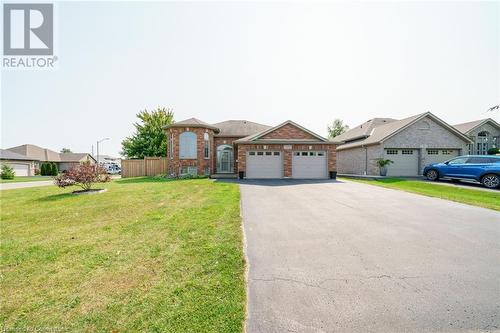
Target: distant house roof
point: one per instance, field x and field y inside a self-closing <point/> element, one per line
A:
<point x="362" y="131"/>
<point x="37" y="153"/>
<point x="391" y="128"/>
<point x="469" y="126"/>
<point x="258" y="137"/>
<point x="75" y="157"/>
<point x="239" y="128"/>
<point x="10" y="155"/>
<point x="192" y="122"/>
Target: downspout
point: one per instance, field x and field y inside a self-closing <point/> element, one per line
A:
<point x="366" y="159"/>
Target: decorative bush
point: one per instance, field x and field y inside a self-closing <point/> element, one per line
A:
<point x="83" y="175"/>
<point x="7" y="172"/>
<point x="37" y="172"/>
<point x="46" y="169"/>
<point x="54" y="170"/>
<point x="493" y="151"/>
<point x="43" y="169"/>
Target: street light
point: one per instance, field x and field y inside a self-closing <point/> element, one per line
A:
<point x="99" y="141"/>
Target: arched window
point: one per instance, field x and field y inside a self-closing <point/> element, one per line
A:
<point x="187" y="145"/>
<point x="483" y="142"/>
<point x="206" y="148"/>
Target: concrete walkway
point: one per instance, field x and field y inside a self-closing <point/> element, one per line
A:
<point x="11" y="186"/>
<point x="340" y="256"/>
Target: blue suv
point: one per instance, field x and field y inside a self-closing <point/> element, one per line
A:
<point x="482" y="168"/>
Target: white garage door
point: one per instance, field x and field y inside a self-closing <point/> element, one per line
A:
<point x="405" y="162"/>
<point x="439" y="155"/>
<point x="309" y="165"/>
<point x="264" y="164"/>
<point x="20" y="169"/>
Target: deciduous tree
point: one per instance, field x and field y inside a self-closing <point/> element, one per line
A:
<point x="336" y="128"/>
<point x="149" y="138"/>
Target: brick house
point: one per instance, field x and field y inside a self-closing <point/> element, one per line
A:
<point x="248" y="149"/>
<point x="410" y="143"/>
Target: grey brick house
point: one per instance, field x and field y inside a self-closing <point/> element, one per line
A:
<point x="411" y="143"/>
<point x="484" y="133"/>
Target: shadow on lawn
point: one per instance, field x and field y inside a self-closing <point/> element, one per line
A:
<point x="139" y="180"/>
<point x="55" y="197"/>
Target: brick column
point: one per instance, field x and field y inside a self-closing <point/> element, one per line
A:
<point x="287" y="163"/>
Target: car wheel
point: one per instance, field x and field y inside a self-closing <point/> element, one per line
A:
<point x="432" y="175"/>
<point x="491" y="181"/>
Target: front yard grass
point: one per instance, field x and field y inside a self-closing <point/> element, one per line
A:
<point x="148" y="255"/>
<point x="23" y="179"/>
<point x="487" y="199"/>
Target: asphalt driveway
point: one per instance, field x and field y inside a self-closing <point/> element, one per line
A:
<point x="351" y="257"/>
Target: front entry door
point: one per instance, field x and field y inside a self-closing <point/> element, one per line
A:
<point x="225" y="159"/>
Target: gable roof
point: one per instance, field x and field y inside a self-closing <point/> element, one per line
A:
<point x="75" y="157"/>
<point x="362" y="131"/>
<point x="469" y="126"/>
<point x="192" y="122"/>
<point x="258" y="137"/>
<point x="384" y="132"/>
<point x="36" y="153"/>
<point x="10" y="155"/>
<point x="241" y="128"/>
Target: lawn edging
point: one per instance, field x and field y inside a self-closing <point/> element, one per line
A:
<point x="479" y="198"/>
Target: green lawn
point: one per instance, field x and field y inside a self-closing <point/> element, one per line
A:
<point x="146" y="256"/>
<point x="26" y="179"/>
<point x="480" y="198"/>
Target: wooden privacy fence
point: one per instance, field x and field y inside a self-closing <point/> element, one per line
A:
<point x="149" y="166"/>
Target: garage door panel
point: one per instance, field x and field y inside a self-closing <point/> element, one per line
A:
<point x="440" y="155"/>
<point x="261" y="165"/>
<point x="309" y="165"/>
<point x="20" y="169"/>
<point x="405" y="162"/>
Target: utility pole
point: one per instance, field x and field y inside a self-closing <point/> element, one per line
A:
<point x="99" y="141"/>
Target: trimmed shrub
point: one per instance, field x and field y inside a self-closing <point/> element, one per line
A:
<point x="43" y="169"/>
<point x="7" y="172"/>
<point x="493" y="151"/>
<point x="54" y="170"/>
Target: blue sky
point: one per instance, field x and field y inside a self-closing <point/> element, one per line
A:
<point x="265" y="62"/>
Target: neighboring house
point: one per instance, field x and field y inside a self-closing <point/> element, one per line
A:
<point x="63" y="160"/>
<point x="249" y="149"/>
<point x="67" y="160"/>
<point x="484" y="133"/>
<point x="22" y="165"/>
<point x="411" y="143"/>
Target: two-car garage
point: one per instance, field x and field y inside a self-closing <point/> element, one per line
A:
<point x="405" y="162"/>
<point x="271" y="164"/>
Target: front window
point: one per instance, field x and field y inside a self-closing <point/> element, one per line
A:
<point x="483" y="143"/>
<point x="206" y="150"/>
<point x="187" y="145"/>
<point x="189" y="170"/>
